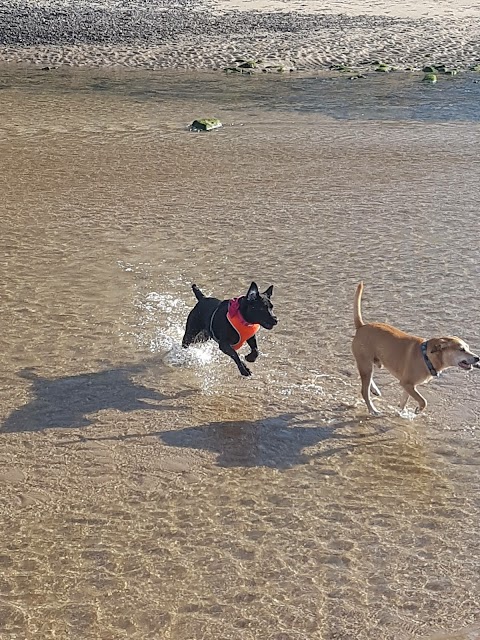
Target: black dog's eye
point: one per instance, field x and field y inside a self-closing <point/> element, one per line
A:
<point x="462" y="349"/>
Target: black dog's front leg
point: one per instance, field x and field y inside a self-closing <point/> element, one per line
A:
<point x="229" y="351"/>
<point x="253" y="355"/>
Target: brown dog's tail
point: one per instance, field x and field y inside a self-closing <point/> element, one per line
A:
<point x="357" y="307"/>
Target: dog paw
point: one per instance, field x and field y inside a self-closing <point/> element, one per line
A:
<point x="419" y="410"/>
<point x="251" y="357"/>
<point x="245" y="371"/>
<point x="407" y="414"/>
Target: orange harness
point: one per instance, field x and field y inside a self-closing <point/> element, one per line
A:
<point x="244" y="329"/>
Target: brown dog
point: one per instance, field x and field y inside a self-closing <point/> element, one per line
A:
<point x="410" y="359"/>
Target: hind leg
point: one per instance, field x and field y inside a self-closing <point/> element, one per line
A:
<point x="188" y="339"/>
<point x="404" y="401"/>
<point x="365" y="369"/>
<point x="192" y="329"/>
<point x="374" y="389"/>
<point x="366" y="374"/>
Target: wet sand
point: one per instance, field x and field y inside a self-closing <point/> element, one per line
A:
<point x="187" y="34"/>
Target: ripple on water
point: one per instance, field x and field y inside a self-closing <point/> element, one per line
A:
<point x="149" y="491"/>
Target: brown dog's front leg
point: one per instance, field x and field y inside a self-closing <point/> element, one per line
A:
<point x="412" y="391"/>
<point x="253" y="355"/>
<point x="229" y="351"/>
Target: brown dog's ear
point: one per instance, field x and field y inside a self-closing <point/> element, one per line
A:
<point x="439" y="344"/>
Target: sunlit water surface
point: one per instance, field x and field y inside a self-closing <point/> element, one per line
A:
<point x="147" y="492"/>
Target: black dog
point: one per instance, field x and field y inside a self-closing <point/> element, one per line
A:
<point x="231" y="323"/>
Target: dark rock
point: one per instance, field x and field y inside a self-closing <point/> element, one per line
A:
<point x="206" y="124"/>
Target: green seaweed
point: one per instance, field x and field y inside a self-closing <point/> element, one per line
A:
<point x="430" y="78"/>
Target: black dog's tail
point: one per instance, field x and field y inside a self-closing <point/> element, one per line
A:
<point x="198" y="294"/>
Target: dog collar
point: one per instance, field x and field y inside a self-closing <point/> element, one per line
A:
<point x="234" y="311"/>
<point x="428" y="362"/>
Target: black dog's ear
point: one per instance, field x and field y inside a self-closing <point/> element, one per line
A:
<point x="252" y="292"/>
<point x="268" y="292"/>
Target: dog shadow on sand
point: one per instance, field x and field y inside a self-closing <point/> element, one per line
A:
<point x="279" y="442"/>
<point x="68" y="401"/>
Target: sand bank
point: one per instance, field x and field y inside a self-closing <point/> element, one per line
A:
<point x="304" y="34"/>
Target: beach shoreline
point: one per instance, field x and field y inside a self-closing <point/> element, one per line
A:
<point x="197" y="36"/>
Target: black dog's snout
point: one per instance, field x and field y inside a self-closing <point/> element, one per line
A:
<point x="477" y="359"/>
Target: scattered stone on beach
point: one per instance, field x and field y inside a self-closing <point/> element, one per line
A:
<point x="206" y="124"/>
<point x="383" y="68"/>
<point x="248" y="67"/>
<point x="440" y="69"/>
<point x="430" y="78"/>
<point x="186" y="34"/>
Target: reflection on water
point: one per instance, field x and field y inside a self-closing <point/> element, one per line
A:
<point x="151" y="492"/>
<point x="400" y="96"/>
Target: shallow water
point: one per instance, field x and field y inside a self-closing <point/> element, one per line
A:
<point x="149" y="492"/>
